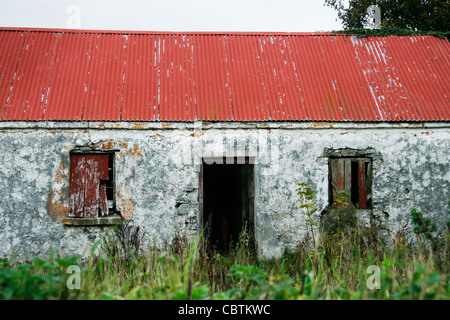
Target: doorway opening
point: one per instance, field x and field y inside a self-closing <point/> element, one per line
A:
<point x="227" y="202"/>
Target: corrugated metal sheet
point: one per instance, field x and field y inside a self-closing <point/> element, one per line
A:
<point x="68" y="93"/>
<point x="30" y="86"/>
<point x="141" y="83"/>
<point x="10" y="49"/>
<point x="50" y="74"/>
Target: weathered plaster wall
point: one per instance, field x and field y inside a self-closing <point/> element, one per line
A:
<point x="156" y="170"/>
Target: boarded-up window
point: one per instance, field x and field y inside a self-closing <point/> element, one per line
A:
<point x="91" y="185"/>
<point x="353" y="175"/>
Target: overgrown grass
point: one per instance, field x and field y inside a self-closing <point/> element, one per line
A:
<point x="336" y="269"/>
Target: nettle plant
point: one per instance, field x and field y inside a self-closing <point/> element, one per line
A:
<point x="423" y="226"/>
<point x="308" y="207"/>
<point x="341" y="200"/>
<point x="427" y="230"/>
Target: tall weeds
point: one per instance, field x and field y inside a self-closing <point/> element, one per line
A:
<point x="336" y="269"/>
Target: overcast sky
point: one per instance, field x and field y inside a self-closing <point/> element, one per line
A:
<point x="171" y="15"/>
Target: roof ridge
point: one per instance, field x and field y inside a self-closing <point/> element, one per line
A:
<point x="246" y="33"/>
<point x="334" y="33"/>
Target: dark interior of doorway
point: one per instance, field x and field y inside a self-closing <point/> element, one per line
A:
<point x="228" y="204"/>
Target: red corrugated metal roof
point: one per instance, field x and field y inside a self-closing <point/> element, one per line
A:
<point x="48" y="74"/>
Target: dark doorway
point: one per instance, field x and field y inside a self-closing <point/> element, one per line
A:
<point x="227" y="203"/>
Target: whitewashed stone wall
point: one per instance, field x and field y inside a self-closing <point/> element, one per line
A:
<point x="157" y="177"/>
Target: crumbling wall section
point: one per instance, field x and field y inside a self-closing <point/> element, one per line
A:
<point x="157" y="177"/>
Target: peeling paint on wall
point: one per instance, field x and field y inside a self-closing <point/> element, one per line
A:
<point x="157" y="179"/>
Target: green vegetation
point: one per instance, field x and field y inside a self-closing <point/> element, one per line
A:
<point x="336" y="268"/>
<point x="409" y="15"/>
<point x="37" y="280"/>
<point x="385" y="32"/>
<point x="308" y="207"/>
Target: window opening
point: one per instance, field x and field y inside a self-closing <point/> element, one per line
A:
<point x="91" y="185"/>
<point x="353" y="175"/>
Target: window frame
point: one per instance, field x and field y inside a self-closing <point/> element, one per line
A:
<point x="349" y="173"/>
<point x="106" y="189"/>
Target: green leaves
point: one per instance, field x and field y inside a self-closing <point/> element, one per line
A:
<point x="42" y="279"/>
<point x="431" y="15"/>
<point x="306" y="195"/>
<point x="257" y="284"/>
<point x="423" y="285"/>
<point x="305" y="190"/>
<point x="340" y="199"/>
<point x="426" y="229"/>
<point x="65" y="263"/>
<point x="422" y="225"/>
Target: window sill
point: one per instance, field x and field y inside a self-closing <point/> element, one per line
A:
<point x="332" y="219"/>
<point x="345" y="213"/>
<point x="100" y="221"/>
<point x="348" y="211"/>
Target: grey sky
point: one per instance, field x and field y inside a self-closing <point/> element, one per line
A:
<point x="172" y="15"/>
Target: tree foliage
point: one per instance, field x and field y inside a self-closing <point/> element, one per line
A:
<point x="416" y="15"/>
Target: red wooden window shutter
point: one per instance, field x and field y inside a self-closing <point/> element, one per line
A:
<point x="341" y="180"/>
<point x="362" y="184"/>
<point x="87" y="194"/>
<point x="341" y="177"/>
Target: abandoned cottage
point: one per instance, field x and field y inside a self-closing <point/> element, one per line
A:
<point x="172" y="130"/>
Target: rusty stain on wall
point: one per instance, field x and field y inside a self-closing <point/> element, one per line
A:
<point x="58" y="204"/>
<point x="108" y="145"/>
<point x="130" y="152"/>
<point x="124" y="200"/>
<point x="323" y="124"/>
<point x="56" y="209"/>
<point x="138" y="126"/>
<point x="197" y="133"/>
